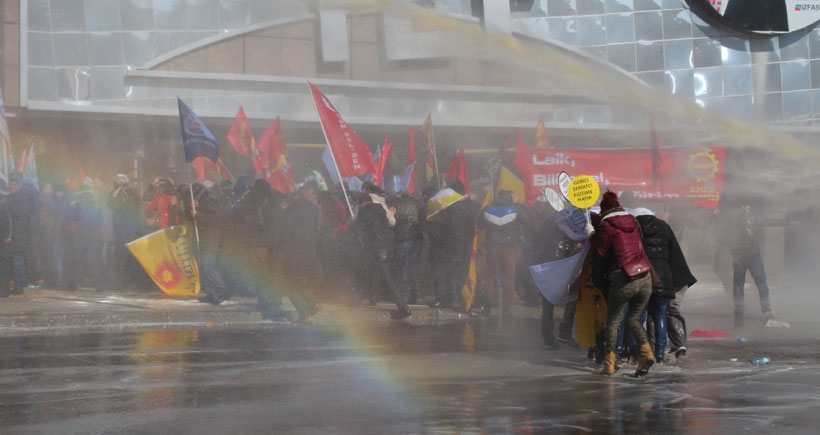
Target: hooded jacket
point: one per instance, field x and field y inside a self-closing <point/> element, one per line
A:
<point x="619" y="242"/>
<point x="666" y="256"/>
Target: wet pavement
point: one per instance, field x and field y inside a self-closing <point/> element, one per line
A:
<point x="206" y="369"/>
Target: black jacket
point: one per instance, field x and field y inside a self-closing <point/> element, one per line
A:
<point x="410" y="214"/>
<point x="666" y="256"/>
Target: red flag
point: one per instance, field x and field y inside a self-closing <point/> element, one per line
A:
<point x="594" y="141"/>
<point x="427" y="132"/>
<point x="273" y="155"/>
<point x="377" y="178"/>
<point x="657" y="157"/>
<point x="522" y="161"/>
<point x="240" y="135"/>
<point x="411" y="160"/>
<point x="206" y="170"/>
<point x="352" y="156"/>
<point x="458" y="171"/>
<point x="542" y="139"/>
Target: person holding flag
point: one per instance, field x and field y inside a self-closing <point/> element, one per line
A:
<point x="458" y="222"/>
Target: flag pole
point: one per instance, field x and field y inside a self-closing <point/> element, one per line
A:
<point x="333" y="157"/>
<point x="193" y="204"/>
<point x="435" y="157"/>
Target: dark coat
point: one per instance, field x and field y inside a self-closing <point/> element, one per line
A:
<point x="666" y="256"/>
<point x="501" y="221"/>
<point x="410" y="215"/>
<point x="458" y="226"/>
<point x="373" y="229"/>
<point x="22" y="209"/>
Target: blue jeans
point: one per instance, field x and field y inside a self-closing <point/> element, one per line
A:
<point x="657" y="311"/>
<point x="754" y="264"/>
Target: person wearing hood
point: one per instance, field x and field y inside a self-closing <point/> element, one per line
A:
<point x="378" y="196"/>
<point x="664" y="252"/>
<point x="501" y="221"/>
<point x="616" y="242"/>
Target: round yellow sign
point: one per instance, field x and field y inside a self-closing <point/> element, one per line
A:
<point x="583" y="191"/>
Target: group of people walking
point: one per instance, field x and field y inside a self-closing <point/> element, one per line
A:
<point x="307" y="246"/>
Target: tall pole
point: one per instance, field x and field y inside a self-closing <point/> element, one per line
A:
<point x="435" y="157"/>
<point x="193" y="204"/>
<point x="333" y="157"/>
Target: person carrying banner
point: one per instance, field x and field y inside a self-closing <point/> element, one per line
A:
<point x="205" y="214"/>
<point x="616" y="241"/>
<point x="544" y="241"/>
<point x="501" y="222"/>
<point x="458" y="223"/>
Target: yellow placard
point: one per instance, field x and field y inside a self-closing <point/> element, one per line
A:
<point x="583" y="191"/>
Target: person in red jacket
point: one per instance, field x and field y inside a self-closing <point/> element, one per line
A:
<point x="617" y="244"/>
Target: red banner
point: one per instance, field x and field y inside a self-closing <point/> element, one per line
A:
<point x="383" y="156"/>
<point x="206" y="170"/>
<point x="353" y="157"/>
<point x="274" y="158"/>
<point x="458" y="171"/>
<point x="690" y="175"/>
<point x="240" y="135"/>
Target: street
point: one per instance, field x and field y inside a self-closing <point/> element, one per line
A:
<point x="132" y="364"/>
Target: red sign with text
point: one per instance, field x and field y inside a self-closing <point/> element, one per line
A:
<point x="690" y="175"/>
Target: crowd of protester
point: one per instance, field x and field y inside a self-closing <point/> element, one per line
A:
<point x="307" y="246"/>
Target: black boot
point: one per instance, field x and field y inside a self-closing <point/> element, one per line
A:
<point x="400" y="314"/>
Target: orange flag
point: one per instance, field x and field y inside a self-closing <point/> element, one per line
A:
<point x="542" y="139"/>
<point x="240" y="135"/>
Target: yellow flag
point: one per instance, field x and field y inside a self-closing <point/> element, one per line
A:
<point x="506" y="181"/>
<point x="168" y="257"/>
<point x="468" y="289"/>
<point x="443" y="198"/>
<point x="590" y="317"/>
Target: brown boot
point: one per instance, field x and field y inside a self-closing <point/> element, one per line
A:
<point x="645" y="360"/>
<point x="609" y="364"/>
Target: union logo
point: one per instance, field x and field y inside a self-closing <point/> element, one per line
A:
<point x="168" y="274"/>
<point x="703" y="166"/>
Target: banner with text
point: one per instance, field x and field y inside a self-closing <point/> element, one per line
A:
<point x="690" y="175"/>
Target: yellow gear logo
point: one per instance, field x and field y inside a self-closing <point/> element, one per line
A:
<point x="703" y="166"/>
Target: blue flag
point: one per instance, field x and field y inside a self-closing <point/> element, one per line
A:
<point x="196" y="138"/>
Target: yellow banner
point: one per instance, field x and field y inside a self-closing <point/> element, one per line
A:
<point x="468" y="289"/>
<point x="168" y="257"/>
